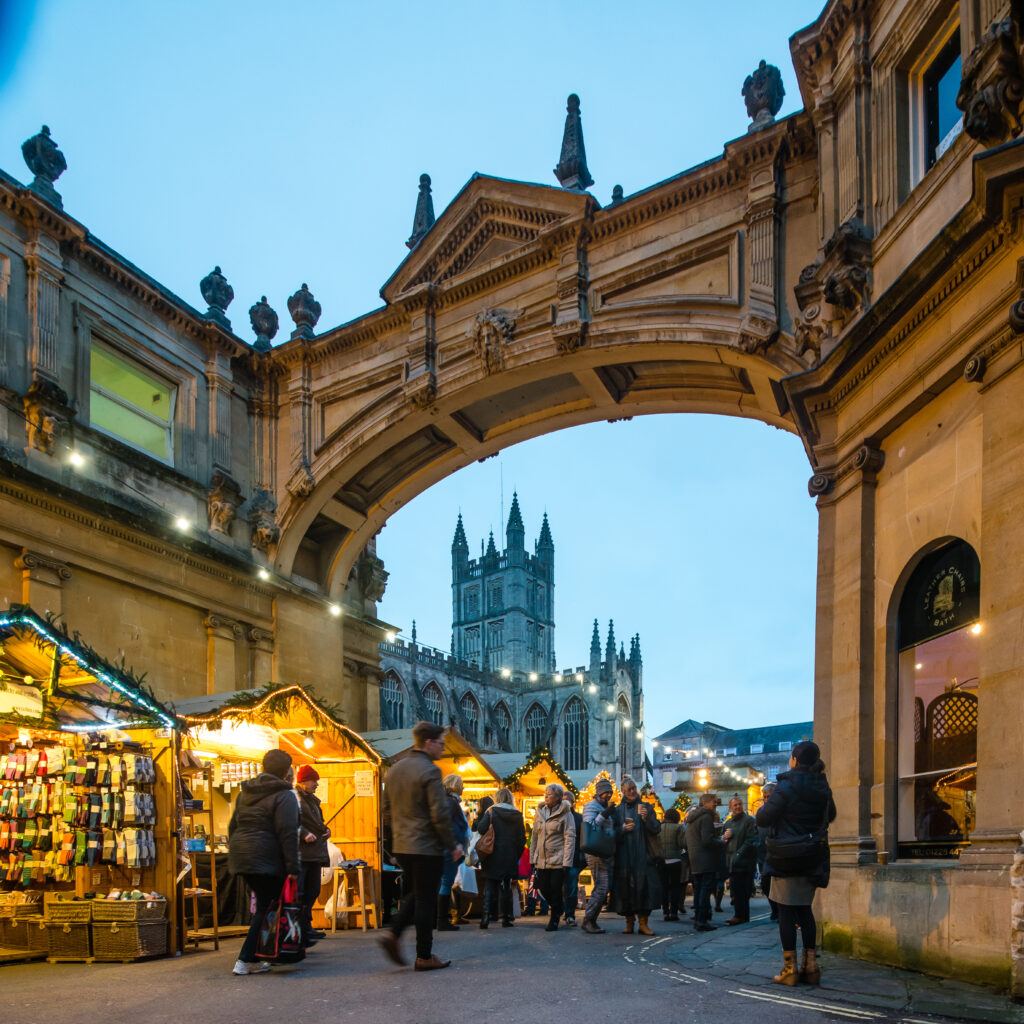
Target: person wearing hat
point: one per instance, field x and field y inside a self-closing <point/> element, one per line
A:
<point x="797" y="816"/>
<point x="313" y="834"/>
<point x="598" y="813"/>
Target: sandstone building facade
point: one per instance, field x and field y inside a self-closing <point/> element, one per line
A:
<point x="853" y="273"/>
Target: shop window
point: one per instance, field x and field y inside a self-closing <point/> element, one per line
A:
<point x="536" y="723"/>
<point x="938" y="685"/>
<point x="130" y="403"/>
<point x="392" y="703"/>
<point x="943" y="120"/>
<point x="434" y="703"/>
<point x="785" y="748"/>
<point x="471" y="712"/>
<point x="574" y="736"/>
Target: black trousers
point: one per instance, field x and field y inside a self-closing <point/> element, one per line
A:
<point x="550" y="882"/>
<point x="266" y="888"/>
<point x="740" y="883"/>
<point x="671" y="886"/>
<point x="422" y="880"/>
<point x="703" y="887"/>
<point x="498" y="898"/>
<point x="309" y="890"/>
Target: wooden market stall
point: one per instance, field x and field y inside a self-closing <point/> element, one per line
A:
<point x="88" y="804"/>
<point x="529" y="775"/>
<point x="228" y="734"/>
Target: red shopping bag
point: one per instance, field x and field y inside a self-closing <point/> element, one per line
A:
<point x="281" y="933"/>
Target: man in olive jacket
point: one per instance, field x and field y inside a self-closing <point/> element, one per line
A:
<point x="421" y="830"/>
<point x="702" y="849"/>
<point x="740" y="835"/>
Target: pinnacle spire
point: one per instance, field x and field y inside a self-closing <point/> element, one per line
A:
<point x="424" y="217"/>
<point x="492" y="551"/>
<point x="459" y="542"/>
<point x="572" y="171"/>
<point x="595" y="641"/>
<point x="515" y="518"/>
<point x="544" y="540"/>
<point x="610" y="646"/>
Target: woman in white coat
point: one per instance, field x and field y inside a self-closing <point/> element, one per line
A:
<point x="551" y="848"/>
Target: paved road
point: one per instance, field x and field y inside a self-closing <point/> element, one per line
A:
<point x="520" y="974"/>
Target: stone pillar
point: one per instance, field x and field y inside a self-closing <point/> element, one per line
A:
<point x="222" y="636"/>
<point x="5" y="283"/>
<point x="420" y="383"/>
<point x="218" y="381"/>
<point x="261" y="657"/>
<point x="45" y="272"/>
<point x="42" y="581"/>
<point x="572" y="311"/>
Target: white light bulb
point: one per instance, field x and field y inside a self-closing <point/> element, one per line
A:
<point x="592" y="688"/>
<point x="182" y="523"/>
<point x="76" y="459"/>
<point x="308" y="742"/>
<point x="558" y="677"/>
<point x="533" y="677"/>
<point x="335" y="609"/>
<point x="610" y="708"/>
<point x="263" y="574"/>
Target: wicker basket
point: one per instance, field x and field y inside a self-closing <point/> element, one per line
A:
<point x="24" y="932"/>
<point x="117" y="940"/>
<point x="67" y="911"/>
<point x="129" y="910"/>
<point x="10" y="910"/>
<point x="70" y="939"/>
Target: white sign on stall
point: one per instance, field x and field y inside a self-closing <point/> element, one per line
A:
<point x="364" y="783"/>
<point x="26" y="701"/>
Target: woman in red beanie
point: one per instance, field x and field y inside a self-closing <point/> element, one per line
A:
<point x="313" y="835"/>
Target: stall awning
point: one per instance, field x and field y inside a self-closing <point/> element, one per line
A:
<point x="459" y="755"/>
<point x="309" y="728"/>
<point x="52" y="679"/>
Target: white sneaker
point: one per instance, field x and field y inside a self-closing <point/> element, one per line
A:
<point x="256" y="968"/>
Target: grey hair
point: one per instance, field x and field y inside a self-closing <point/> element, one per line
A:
<point x="453" y="783"/>
<point x="557" y="788"/>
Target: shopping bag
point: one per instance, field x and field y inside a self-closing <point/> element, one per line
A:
<point x="466" y="879"/>
<point x="280" y="938"/>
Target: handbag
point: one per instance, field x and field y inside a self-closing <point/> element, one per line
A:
<point x="280" y="938"/>
<point x="485" y="844"/>
<point x="800" y="855"/>
<point x="597" y="842"/>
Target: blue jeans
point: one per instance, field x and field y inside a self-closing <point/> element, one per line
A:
<point x="451" y="867"/>
<point x="570" y="890"/>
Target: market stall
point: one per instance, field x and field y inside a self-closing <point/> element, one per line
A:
<point x="528" y="778"/>
<point x="88" y="786"/>
<point x="225" y="738"/>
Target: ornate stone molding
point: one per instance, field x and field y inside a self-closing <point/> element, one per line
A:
<point x="992" y="84"/>
<point x="819" y="484"/>
<point x="302" y="482"/>
<point x="371" y="577"/>
<point x="757" y="334"/>
<point x="492" y="334"/>
<point x="220" y="625"/>
<point x="974" y="368"/>
<point x="222" y="502"/>
<point x="265" y="324"/>
<point x="40" y="567"/>
<point x="421" y="391"/>
<point x="261" y="638"/>
<point x="48" y="415"/>
<point x="569" y="336"/>
<point x="265" y="531"/>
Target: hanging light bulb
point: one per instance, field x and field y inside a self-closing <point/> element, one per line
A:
<point x="307" y="741"/>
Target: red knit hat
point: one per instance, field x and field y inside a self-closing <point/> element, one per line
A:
<point x="307" y="772"/>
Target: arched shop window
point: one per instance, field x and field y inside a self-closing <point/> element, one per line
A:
<point x="392" y="702"/>
<point x="938" y="641"/>
<point x="574" y="736"/>
<point x="434" y="702"/>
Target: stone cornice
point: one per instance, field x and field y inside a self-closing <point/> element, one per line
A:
<point x="810" y="45"/>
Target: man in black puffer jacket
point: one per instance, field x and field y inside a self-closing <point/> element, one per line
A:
<point x="263" y="844"/>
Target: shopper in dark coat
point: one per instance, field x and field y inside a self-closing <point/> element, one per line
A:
<point x="800" y="808"/>
<point x="670" y="864"/>
<point x="637" y="889"/>
<point x="453" y="787"/>
<point x="501" y="865"/>
<point x="263" y="844"/>
<point x="703" y="848"/>
<point x="571" y="886"/>
<point x="313" y="835"/>
<point x="740" y="835"/>
<point x="762" y="854"/>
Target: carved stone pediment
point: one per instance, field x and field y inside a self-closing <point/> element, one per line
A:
<point x="992" y="84"/>
<point x="492" y="334"/>
<point x="262" y="513"/>
<point x="48" y="415"/>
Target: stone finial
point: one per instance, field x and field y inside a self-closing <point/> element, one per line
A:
<point x="264" y="323"/>
<point x="218" y="295"/>
<point x="305" y="311"/>
<point x="616" y="195"/>
<point x="424" y="217"/>
<point x="46" y="162"/>
<point x="572" y="171"/>
<point x="763" y="94"/>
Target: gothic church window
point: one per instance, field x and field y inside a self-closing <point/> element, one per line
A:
<point x="574" y="736"/>
<point x="495" y="597"/>
<point x="503" y="723"/>
<point x="472" y="604"/>
<point x="392" y="703"/>
<point x="434" y="703"/>
<point x="536" y="723"/>
<point x="625" y="759"/>
<point x="471" y="712"/>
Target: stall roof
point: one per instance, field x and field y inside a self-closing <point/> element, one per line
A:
<point x="269" y="706"/>
<point x="527" y="770"/>
<point x="392" y="743"/>
<point x="53" y="676"/>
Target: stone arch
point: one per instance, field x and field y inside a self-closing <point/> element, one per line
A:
<point x="535" y="726"/>
<point x="502" y="719"/>
<point x="623" y="715"/>
<point x="434" y="702"/>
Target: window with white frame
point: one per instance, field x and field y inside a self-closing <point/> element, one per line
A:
<point x="943" y="119"/>
<point x="130" y="403"/>
<point x="757" y="748"/>
<point x="785" y="748"/>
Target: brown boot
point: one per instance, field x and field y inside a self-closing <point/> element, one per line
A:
<point x="628" y="930"/>
<point x="788" y="974"/>
<point x="643" y="929"/>
<point x="810" y="972"/>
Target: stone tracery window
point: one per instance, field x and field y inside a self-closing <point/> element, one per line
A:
<point x="536" y="723"/>
<point x="625" y="731"/>
<point x="502" y="722"/>
<point x="574" y="736"/>
<point x="392" y="702"/>
<point x="434" y="702"/>
<point x="471" y="712"/>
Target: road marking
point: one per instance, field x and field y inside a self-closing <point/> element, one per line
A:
<point x="680" y="974"/>
<point x="815" y="1003"/>
<point x="675" y="977"/>
<point x="842" y="1011"/>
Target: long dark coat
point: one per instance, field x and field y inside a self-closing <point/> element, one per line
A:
<point x="509" y="841"/>
<point x="637" y="888"/>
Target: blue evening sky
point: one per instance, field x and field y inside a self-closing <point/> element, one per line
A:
<point x="285" y="143"/>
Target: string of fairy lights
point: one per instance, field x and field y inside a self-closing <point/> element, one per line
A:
<point x="711" y="762"/>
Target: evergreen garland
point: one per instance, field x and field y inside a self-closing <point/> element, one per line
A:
<point x="537" y="756"/>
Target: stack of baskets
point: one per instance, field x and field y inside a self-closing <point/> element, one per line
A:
<point x="116" y="930"/>
<point x="129" y="929"/>
<point x="22" y="926"/>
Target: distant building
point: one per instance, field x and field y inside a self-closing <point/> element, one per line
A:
<point x="500" y="687"/>
<point x="730" y="759"/>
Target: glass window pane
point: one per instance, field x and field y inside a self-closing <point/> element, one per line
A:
<point x="128" y="382"/>
<point x="123" y="422"/>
